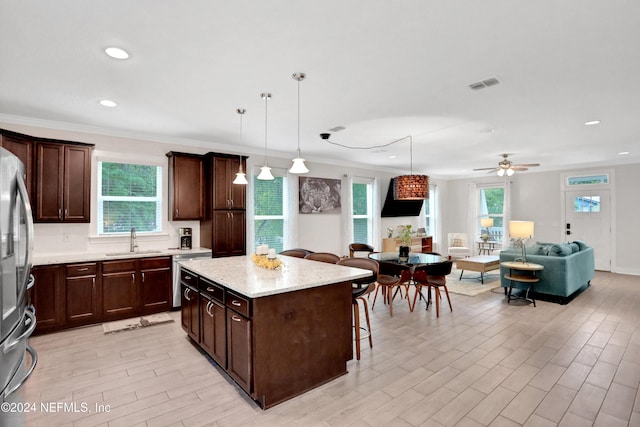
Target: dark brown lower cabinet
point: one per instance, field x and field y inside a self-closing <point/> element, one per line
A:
<point x="69" y="295"/>
<point x="155" y="273"/>
<point x="190" y="314"/>
<point x="213" y="336"/>
<point x="48" y="296"/>
<point x="82" y="296"/>
<point x="239" y="359"/>
<point x="120" y="294"/>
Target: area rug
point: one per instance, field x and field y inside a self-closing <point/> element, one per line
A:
<point x="136" y="323"/>
<point x="470" y="284"/>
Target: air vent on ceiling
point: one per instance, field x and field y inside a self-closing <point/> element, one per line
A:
<point x="337" y="129"/>
<point x="484" y="83"/>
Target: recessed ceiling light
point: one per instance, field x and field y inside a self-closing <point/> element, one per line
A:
<point x="108" y="103"/>
<point x="623" y="153"/>
<point x="116" y="52"/>
<point x="592" y="122"/>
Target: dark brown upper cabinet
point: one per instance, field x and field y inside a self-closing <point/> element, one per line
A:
<point x="186" y="186"/>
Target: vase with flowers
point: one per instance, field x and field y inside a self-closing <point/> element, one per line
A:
<point x="405" y="232"/>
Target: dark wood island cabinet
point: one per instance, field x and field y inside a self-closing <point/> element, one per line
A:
<point x="277" y="333"/>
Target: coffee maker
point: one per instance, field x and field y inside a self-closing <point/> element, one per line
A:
<point x="185" y="237"/>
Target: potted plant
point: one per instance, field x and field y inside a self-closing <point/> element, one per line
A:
<point x="405" y="232"/>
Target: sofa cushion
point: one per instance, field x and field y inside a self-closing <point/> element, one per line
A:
<point x="574" y="247"/>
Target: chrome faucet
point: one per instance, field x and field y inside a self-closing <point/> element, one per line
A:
<point x="133" y="242"/>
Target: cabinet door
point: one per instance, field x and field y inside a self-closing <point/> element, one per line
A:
<point x="226" y="194"/>
<point x="82" y="300"/>
<point x="77" y="183"/>
<point x="239" y="355"/>
<point x="156" y="290"/>
<point x="186" y="183"/>
<point x="23" y="149"/>
<point x="48" y="183"/>
<point x="190" y="313"/>
<point x="48" y="297"/>
<point x="213" y="338"/>
<point x="120" y="296"/>
<point x="229" y="234"/>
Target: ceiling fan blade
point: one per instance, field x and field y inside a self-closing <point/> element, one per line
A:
<point x="519" y="168"/>
<point x="486" y="169"/>
<point x="527" y="165"/>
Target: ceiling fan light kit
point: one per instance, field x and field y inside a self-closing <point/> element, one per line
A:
<point x="506" y="167"/>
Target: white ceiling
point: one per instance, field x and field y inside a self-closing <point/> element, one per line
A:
<point x="381" y="69"/>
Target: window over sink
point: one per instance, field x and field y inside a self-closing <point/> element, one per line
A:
<point x="129" y="196"/>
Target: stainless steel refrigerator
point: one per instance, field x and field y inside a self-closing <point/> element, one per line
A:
<point x="18" y="321"/>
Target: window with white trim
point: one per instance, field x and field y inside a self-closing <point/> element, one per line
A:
<point x="430" y="211"/>
<point x="491" y="205"/>
<point x="129" y="196"/>
<point x="362" y="210"/>
<point x="269" y="211"/>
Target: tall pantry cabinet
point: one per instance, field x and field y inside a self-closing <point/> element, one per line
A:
<point x="223" y="228"/>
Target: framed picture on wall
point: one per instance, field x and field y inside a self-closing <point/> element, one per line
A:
<point x="319" y="195"/>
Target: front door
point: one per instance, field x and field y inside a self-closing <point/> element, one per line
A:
<point x="588" y="218"/>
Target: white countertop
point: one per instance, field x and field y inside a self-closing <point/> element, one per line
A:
<point x="66" y="258"/>
<point x="240" y="274"/>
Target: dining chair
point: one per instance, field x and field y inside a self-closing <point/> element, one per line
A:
<point x="360" y="289"/>
<point x="297" y="252"/>
<point x="395" y="278"/>
<point x="359" y="247"/>
<point x="327" y="257"/>
<point x="432" y="276"/>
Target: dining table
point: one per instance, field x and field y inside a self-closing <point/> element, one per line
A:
<point x="392" y="264"/>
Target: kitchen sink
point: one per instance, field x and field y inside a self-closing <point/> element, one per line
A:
<point x="149" y="251"/>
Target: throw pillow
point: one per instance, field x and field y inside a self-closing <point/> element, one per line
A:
<point x="456" y="242"/>
<point x="581" y="245"/>
<point x="561" y="249"/>
<point x="574" y="247"/>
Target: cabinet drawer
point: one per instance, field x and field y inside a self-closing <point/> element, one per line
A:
<point x="212" y="290"/>
<point x="119" y="266"/>
<point x="155" y="263"/>
<point x="188" y="278"/>
<point x="88" y="269"/>
<point x="238" y="304"/>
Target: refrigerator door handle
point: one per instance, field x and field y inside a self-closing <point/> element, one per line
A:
<point x="31" y="322"/>
<point x="24" y="196"/>
<point x="34" y="362"/>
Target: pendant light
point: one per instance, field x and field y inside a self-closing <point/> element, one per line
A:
<point x="298" y="163"/>
<point x="411" y="187"/>
<point x="241" y="177"/>
<point x="265" y="170"/>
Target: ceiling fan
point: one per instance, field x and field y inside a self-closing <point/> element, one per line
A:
<point x="507" y="167"/>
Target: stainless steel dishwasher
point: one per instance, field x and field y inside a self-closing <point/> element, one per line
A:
<point x="176" y="273"/>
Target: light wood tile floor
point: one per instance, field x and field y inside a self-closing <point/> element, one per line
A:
<point x="486" y="364"/>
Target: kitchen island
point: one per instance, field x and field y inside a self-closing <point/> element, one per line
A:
<point x="277" y="333"/>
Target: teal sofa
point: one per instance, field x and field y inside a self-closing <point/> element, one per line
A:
<point x="568" y="267"/>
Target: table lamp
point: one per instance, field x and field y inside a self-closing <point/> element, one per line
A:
<point x="521" y="230"/>
<point x="486" y="223"/>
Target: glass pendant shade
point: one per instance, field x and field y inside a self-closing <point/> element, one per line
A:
<point x="241" y="177"/>
<point x="411" y="187"/>
<point x="298" y="166"/>
<point x="510" y="172"/>
<point x="500" y="172"/>
<point x="265" y="173"/>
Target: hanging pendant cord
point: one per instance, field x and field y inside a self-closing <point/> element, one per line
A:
<point x="298" y="117"/>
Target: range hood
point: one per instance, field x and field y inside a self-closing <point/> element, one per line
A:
<point x="393" y="208"/>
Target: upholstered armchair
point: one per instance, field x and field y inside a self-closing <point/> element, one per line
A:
<point x="458" y="246"/>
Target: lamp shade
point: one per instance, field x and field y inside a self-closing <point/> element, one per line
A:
<point x="265" y="173"/>
<point x="241" y="178"/>
<point x="411" y="187"/>
<point x="298" y="166"/>
<point x="521" y="229"/>
<point x="486" y="222"/>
